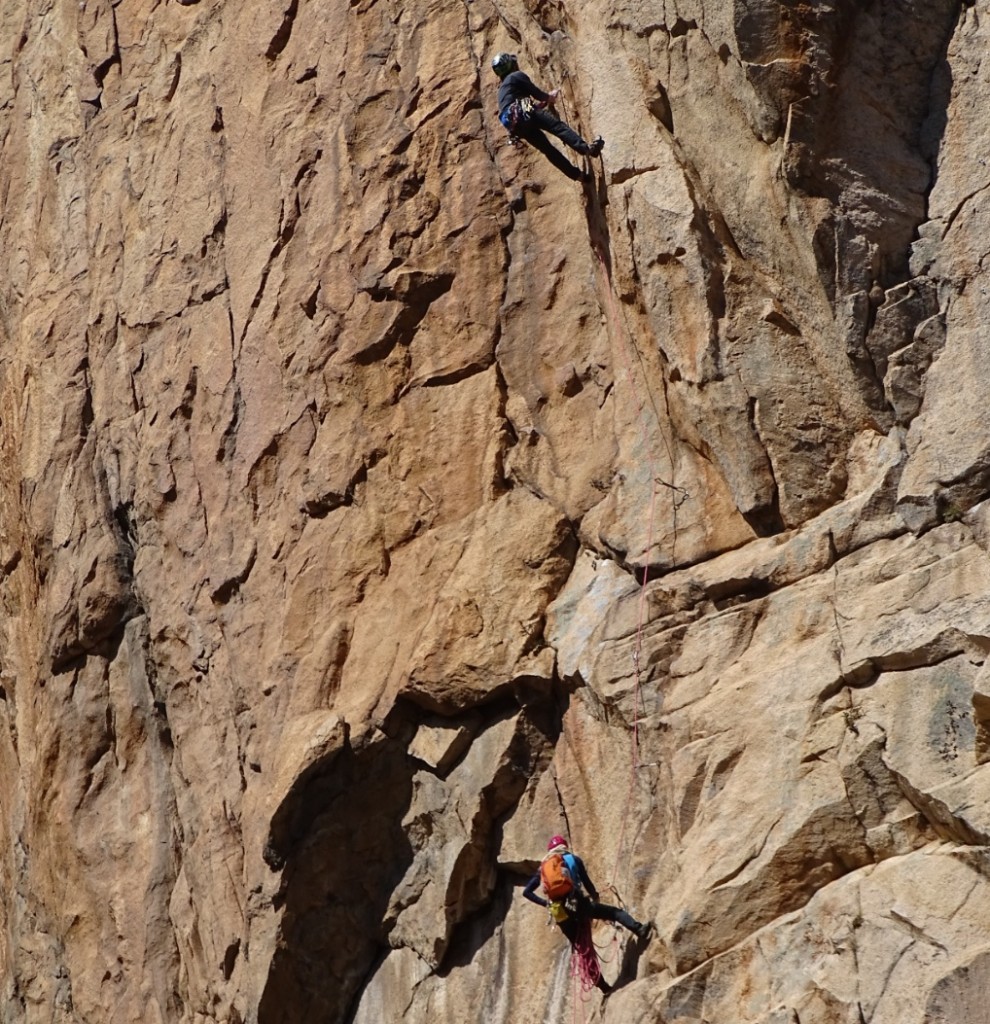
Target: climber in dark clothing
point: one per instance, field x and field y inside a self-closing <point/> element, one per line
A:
<point x="580" y="904"/>
<point x="525" y="110"/>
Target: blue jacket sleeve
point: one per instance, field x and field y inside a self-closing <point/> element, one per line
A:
<point x="530" y="891"/>
<point x="584" y="879"/>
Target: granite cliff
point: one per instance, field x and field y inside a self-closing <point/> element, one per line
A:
<point x="375" y="502"/>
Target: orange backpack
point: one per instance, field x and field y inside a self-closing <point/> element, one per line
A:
<point x="556" y="877"/>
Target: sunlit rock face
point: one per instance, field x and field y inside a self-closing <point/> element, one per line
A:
<point x="376" y="502"/>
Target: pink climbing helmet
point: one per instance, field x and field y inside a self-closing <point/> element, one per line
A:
<point x="555" y="842"/>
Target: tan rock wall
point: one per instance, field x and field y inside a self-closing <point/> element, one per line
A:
<point x="339" y="438"/>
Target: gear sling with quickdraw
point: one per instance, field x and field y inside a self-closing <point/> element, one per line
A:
<point x="517" y="113"/>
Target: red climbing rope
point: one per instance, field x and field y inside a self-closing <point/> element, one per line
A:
<point x="615" y="320"/>
<point x="619" y="337"/>
<point x="578" y="999"/>
<point x="623" y="341"/>
<point x="584" y="958"/>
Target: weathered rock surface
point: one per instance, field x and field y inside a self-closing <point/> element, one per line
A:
<point x="376" y="502"/>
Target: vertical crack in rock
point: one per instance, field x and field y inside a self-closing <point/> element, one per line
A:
<point x="508" y="438"/>
<point x="560" y="802"/>
<point x="765" y="519"/>
<point x="228" y="439"/>
<point x="280" y="40"/>
<point x="176" y="75"/>
<point x="286" y="229"/>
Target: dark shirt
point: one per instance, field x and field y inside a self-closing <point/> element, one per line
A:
<point x="515" y="87"/>
<point x="582" y="875"/>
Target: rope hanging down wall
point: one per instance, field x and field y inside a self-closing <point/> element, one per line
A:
<point x="622" y="340"/>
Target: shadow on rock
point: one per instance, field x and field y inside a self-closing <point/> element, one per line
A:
<point x="341" y="841"/>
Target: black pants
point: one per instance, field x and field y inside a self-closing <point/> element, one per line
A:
<point x="599" y="912"/>
<point x="543" y="120"/>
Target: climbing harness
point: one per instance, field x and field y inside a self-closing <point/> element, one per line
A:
<point x="517" y="114"/>
<point x="558" y="910"/>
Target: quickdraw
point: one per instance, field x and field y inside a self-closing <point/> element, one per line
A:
<point x="517" y="113"/>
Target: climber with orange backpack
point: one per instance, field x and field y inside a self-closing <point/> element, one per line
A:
<point x="525" y="111"/>
<point x="572" y="901"/>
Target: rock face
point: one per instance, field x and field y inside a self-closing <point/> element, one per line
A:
<point x="377" y="502"/>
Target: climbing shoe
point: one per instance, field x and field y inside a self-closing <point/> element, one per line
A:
<point x="643" y="931"/>
<point x="596" y="147"/>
